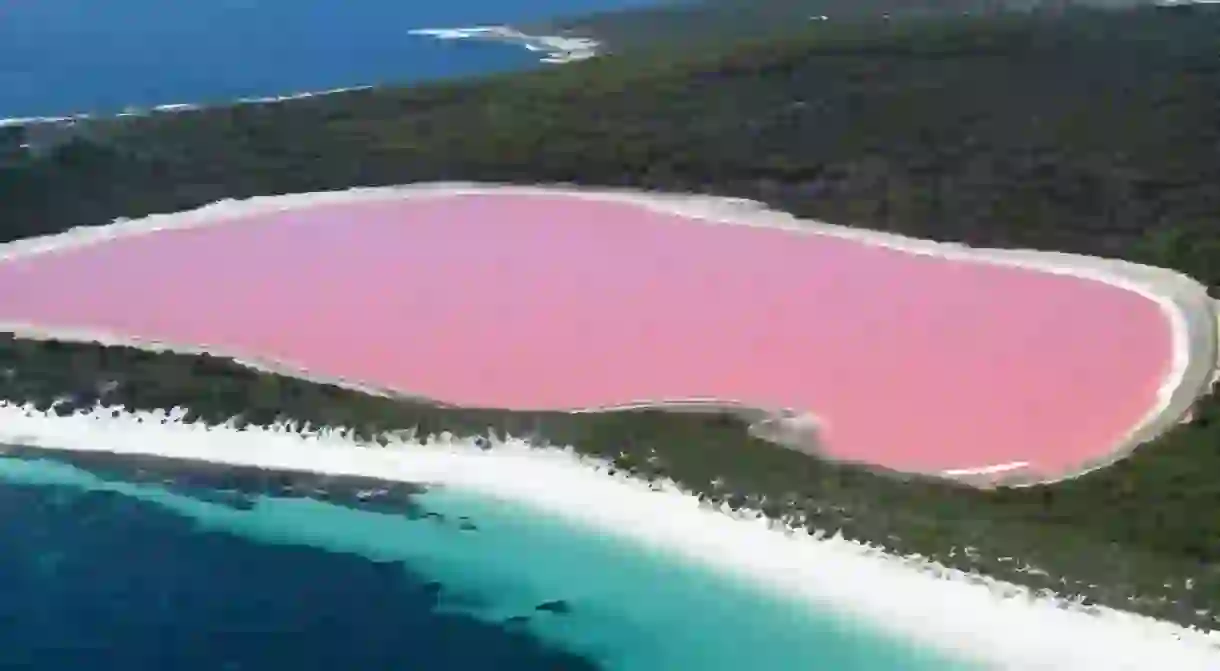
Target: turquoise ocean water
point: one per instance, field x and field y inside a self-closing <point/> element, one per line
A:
<point x="104" y="573"/>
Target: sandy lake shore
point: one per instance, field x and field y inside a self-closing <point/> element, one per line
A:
<point x="1184" y="302"/>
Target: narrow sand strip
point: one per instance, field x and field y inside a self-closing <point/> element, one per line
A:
<point x="557" y="48"/>
<point x="1001" y="625"/>
<point x="169" y="108"/>
<point x="1183" y="301"/>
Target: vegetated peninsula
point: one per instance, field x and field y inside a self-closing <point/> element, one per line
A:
<point x="1082" y="131"/>
<point x="681" y="24"/>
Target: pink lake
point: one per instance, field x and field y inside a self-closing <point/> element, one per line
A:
<point x="532" y="302"/>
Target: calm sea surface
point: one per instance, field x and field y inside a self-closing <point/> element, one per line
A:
<point x="102" y="572"/>
<point x="70" y="56"/>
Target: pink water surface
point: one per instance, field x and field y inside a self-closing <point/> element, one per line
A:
<point x="912" y="362"/>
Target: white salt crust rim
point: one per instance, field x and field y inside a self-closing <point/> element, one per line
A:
<point x="1184" y="302"/>
<point x="976" y="619"/>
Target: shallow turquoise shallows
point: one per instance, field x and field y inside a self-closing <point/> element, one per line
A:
<point x="510" y="580"/>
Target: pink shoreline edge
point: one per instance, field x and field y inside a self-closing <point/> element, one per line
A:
<point x="686" y="208"/>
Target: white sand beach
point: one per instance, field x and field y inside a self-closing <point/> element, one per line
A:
<point x="1000" y="625"/>
<point x="557" y="48"/>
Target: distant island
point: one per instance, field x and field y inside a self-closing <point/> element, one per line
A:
<point x="1085" y="131"/>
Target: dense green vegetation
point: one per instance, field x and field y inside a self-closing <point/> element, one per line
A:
<point x="1095" y="132"/>
<point x="679" y="23"/>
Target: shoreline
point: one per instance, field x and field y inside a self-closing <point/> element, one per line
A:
<point x="997" y="624"/>
<point x="555" y="49"/>
<point x="172" y="108"/>
<point x="784" y="427"/>
<point x="1184" y="302"/>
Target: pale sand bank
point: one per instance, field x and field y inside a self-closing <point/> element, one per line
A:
<point x="1183" y="301"/>
<point x="1000" y="625"/>
<point x="558" y="48"/>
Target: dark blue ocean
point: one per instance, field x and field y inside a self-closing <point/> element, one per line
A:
<point x="60" y="57"/>
<point x="136" y="567"/>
